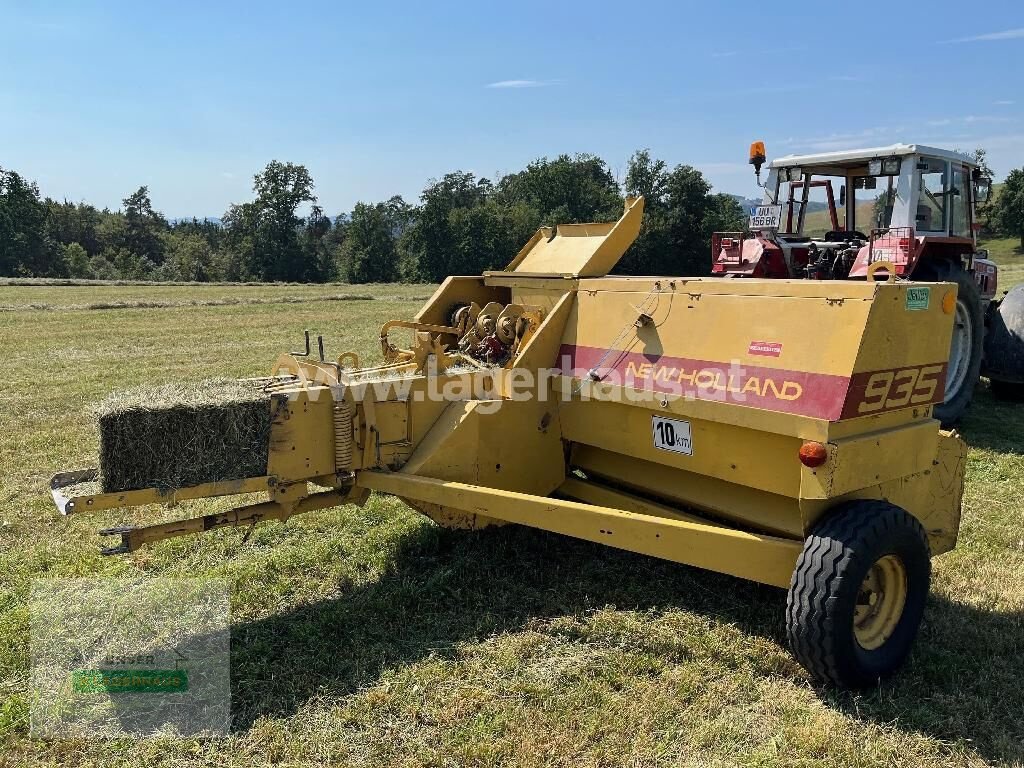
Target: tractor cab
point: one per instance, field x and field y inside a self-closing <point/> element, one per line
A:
<point x="834" y="215"/>
<point x="903" y="211"/>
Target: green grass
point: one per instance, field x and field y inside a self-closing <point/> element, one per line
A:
<point x="1007" y="253"/>
<point x="372" y="637"/>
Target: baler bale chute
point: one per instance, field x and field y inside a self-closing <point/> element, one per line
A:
<point x="780" y="431"/>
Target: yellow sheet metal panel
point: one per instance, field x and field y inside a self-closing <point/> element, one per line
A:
<point x="903" y="358"/>
<point x="580" y="249"/>
<point x="710" y="348"/>
<point x="751" y="556"/>
<point x="749" y="507"/>
<point x="591" y="491"/>
<point x="777" y="332"/>
<point x="738" y="455"/>
<point x="458" y="290"/>
<point x="501" y="444"/>
<point x="804" y="427"/>
<point x="932" y="495"/>
<point x="302" y="434"/>
<point x="872" y="458"/>
<point x="940" y="513"/>
<point x="717" y="286"/>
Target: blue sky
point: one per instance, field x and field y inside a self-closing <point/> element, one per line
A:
<point x="191" y="99"/>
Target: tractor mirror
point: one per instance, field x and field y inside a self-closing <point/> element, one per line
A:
<point x="842" y="195"/>
<point x="982" y="189"/>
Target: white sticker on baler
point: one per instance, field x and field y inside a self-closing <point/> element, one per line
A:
<point x="672" y="435"/>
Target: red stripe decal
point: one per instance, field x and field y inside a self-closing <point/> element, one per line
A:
<point x="818" y="395"/>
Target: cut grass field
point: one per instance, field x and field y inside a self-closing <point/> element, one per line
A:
<point x="371" y="637"/>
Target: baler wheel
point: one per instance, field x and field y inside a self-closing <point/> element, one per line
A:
<point x="858" y="593"/>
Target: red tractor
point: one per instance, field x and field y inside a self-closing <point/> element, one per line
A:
<point x="907" y="211"/>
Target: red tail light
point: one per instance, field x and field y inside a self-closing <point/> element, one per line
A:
<point x="813" y="454"/>
<point x="905" y="243"/>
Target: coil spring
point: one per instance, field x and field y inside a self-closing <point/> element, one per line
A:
<point x="342" y="436"/>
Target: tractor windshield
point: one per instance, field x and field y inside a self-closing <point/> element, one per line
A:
<point x="811" y="205"/>
<point x="816" y="204"/>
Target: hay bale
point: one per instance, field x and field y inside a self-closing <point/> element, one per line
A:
<point x="178" y="435"/>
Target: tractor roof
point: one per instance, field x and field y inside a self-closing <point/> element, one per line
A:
<point x="854" y="157"/>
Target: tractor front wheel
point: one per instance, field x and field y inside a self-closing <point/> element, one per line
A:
<point x="858" y="593"/>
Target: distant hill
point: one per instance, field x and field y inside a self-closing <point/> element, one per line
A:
<point x="750" y="202"/>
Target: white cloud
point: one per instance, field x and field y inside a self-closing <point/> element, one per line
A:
<point x="724" y="54"/>
<point x="847" y="79"/>
<point x="1006" y="34"/>
<point x="986" y="119"/>
<point x="840" y="141"/>
<point x="1003" y="103"/>
<point x="522" y="83"/>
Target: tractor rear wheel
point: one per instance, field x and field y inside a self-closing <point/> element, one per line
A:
<point x="1007" y="390"/>
<point x="858" y="593"/>
<point x="965" y="346"/>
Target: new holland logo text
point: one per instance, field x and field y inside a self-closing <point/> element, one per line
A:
<point x="717" y="380"/>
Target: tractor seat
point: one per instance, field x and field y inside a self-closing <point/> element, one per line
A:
<point x="924" y="217"/>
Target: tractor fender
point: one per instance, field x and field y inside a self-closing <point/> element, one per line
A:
<point x="1004" y="343"/>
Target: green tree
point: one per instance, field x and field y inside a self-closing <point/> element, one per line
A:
<point x="70" y="223"/>
<point x="26" y="248"/>
<point x="566" y="190"/>
<point x="265" y="234"/>
<point x="680" y="215"/>
<point x="427" y="244"/>
<point x="369" y="254"/>
<point x="190" y="257"/>
<point x="144" y="228"/>
<point x="984" y="211"/>
<point x="317" y="244"/>
<point x="76" y="260"/>
<point x="1009" y="207"/>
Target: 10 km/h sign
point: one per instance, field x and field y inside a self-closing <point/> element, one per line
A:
<point x="672" y="435"/>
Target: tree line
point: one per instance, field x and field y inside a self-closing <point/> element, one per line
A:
<point x="462" y="224"/>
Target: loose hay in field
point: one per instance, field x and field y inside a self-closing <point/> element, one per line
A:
<point x="179" y="435"/>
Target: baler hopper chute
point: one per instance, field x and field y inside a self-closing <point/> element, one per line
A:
<point x="780" y="431"/>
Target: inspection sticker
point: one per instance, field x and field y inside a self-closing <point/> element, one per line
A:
<point x="672" y="435"/>
<point x="918" y="297"/>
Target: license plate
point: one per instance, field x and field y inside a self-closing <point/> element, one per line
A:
<point x="672" y="435"/>
<point x="766" y="217"/>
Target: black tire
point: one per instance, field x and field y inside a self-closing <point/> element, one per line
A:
<point x="1007" y="390"/>
<point x="827" y="583"/>
<point x="968" y="299"/>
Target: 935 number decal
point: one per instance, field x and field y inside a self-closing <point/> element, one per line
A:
<point x="886" y="390"/>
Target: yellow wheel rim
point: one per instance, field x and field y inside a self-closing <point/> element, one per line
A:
<point x="880" y="601"/>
